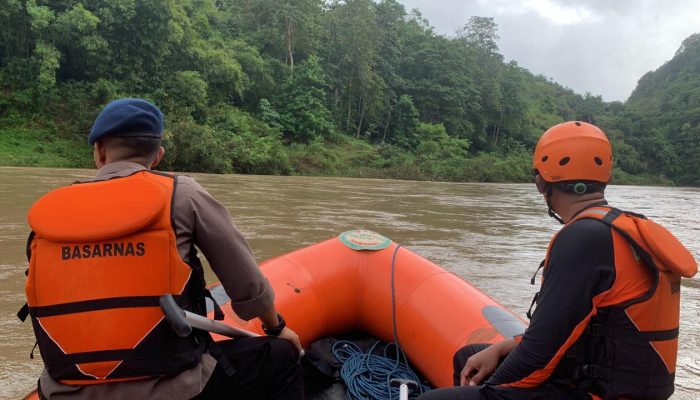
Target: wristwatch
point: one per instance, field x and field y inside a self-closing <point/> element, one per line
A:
<point x="275" y="330"/>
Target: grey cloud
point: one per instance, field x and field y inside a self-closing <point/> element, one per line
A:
<point x="604" y="54"/>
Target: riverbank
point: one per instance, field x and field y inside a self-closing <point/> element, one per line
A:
<point x="26" y="147"/>
<point x="344" y="156"/>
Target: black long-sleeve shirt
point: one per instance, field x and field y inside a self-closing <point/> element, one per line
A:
<point x="581" y="266"/>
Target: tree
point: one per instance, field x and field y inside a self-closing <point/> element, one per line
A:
<point x="75" y="32"/>
<point x="187" y="95"/>
<point x="282" y="28"/>
<point x="303" y="113"/>
<point x="438" y="154"/>
<point x="47" y="59"/>
<point x="194" y="148"/>
<point x="391" y="17"/>
<point x="353" y="35"/>
<point x="480" y="33"/>
<point x="404" y="131"/>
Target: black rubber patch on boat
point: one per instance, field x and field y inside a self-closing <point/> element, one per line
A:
<point x="503" y="321"/>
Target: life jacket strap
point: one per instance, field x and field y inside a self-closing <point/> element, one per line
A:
<point x="534" y="276"/>
<point x="595" y="372"/>
<point x="534" y="301"/>
<point x="23" y="312"/>
<point x="599" y="330"/>
<point x="218" y="312"/>
<point x="649" y="263"/>
<point x="28" y="249"/>
<point x="94" y="305"/>
<point x="31" y="353"/>
<point x="88" y="356"/>
<point x="612" y="215"/>
<point x="222" y="360"/>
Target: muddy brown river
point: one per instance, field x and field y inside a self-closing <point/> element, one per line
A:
<point x="493" y="235"/>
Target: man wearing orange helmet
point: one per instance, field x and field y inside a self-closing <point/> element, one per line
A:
<point x="606" y="323"/>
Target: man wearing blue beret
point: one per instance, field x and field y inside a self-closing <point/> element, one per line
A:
<point x="110" y="246"/>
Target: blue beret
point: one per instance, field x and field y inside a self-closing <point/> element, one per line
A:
<point x="127" y="117"/>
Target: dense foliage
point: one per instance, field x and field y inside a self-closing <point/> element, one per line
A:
<point x="354" y="88"/>
<point x="664" y="111"/>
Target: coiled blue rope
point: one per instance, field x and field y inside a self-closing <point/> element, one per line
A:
<point x="367" y="375"/>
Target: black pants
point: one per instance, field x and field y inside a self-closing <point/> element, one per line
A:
<point x="262" y="368"/>
<point x="546" y="391"/>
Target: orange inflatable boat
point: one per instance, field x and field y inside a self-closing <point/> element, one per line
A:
<point x="360" y="280"/>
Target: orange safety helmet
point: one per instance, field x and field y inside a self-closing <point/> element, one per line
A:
<point x="573" y="151"/>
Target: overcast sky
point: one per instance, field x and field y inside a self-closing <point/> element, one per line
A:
<point x="597" y="46"/>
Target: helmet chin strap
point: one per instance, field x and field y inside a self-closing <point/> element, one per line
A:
<point x="550" y="211"/>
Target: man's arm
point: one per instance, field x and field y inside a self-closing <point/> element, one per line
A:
<point x="202" y="220"/>
<point x="581" y="266"/>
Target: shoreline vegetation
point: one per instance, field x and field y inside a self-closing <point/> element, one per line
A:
<point x="354" y="88"/>
<point x="493" y="174"/>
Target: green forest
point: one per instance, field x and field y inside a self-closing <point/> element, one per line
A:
<point x="356" y="88"/>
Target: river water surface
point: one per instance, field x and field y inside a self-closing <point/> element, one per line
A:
<point x="493" y="235"/>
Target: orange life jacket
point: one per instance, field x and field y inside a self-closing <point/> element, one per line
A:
<point x="101" y="255"/>
<point x="629" y="346"/>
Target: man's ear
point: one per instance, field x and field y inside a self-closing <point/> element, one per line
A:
<point x="540" y="183"/>
<point x="159" y="156"/>
<point x="99" y="153"/>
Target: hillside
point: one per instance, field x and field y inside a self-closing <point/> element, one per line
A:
<point x="351" y="88"/>
<point x="668" y="102"/>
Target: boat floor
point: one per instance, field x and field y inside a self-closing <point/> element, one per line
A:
<point x="334" y="391"/>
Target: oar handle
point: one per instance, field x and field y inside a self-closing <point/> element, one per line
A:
<point x="183" y="321"/>
<point x="210" y="325"/>
<point x="174" y="315"/>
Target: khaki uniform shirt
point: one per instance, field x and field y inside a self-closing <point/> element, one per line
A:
<point x="198" y="218"/>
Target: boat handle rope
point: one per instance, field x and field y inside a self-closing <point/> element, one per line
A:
<point x="368" y="375"/>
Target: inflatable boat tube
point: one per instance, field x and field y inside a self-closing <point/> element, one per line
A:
<point x="362" y="281"/>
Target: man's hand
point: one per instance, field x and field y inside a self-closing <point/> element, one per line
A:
<point x="483" y="363"/>
<point x="269" y="318"/>
<point x="479" y="366"/>
<point x="288" y="334"/>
